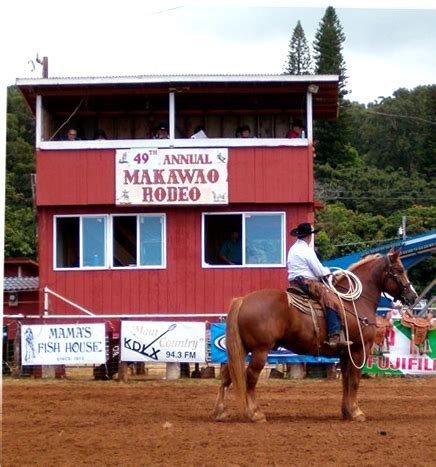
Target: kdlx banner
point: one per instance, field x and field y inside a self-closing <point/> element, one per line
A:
<point x="75" y="344"/>
<point x="144" y="341"/>
<point x="399" y="360"/>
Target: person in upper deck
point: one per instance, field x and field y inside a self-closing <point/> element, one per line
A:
<point x="199" y="132"/>
<point x="72" y="135"/>
<point x="243" y="131"/>
<point x="100" y="134"/>
<point x="161" y="132"/>
<point x="296" y="129"/>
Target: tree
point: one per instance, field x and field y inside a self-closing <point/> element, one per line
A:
<point x="333" y="138"/>
<point x="20" y="236"/>
<point x="398" y="131"/>
<point x="327" y="48"/>
<point x="299" y="61"/>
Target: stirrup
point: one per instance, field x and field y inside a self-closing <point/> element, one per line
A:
<point x="337" y="341"/>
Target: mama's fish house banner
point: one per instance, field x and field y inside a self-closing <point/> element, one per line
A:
<point x="399" y="360"/>
<point x="75" y="344"/>
<point x="158" y="342"/>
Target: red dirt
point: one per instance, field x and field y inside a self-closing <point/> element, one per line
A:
<point x="169" y="423"/>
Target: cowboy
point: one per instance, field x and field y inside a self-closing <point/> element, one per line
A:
<point x="305" y="271"/>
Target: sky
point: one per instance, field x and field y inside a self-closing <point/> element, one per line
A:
<point x="385" y="48"/>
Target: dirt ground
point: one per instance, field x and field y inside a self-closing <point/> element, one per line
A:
<point x="158" y="422"/>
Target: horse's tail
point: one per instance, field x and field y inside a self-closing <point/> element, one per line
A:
<point x="236" y="353"/>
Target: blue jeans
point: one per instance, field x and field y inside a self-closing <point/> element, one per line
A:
<point x="333" y="322"/>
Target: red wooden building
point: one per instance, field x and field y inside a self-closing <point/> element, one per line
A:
<point x="134" y="225"/>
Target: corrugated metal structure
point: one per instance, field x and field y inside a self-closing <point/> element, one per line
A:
<point x="150" y="256"/>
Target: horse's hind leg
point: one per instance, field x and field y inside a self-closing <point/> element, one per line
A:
<point x="220" y="413"/>
<point x="256" y="365"/>
<point x="350" y="385"/>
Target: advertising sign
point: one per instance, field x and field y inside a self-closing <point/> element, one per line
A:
<point x="75" y="344"/>
<point x="399" y="360"/>
<point x="281" y="355"/>
<point x="151" y="176"/>
<point x="147" y="341"/>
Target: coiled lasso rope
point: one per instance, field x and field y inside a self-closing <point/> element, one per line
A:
<point x="353" y="293"/>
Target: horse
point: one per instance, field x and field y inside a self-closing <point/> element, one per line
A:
<point x="265" y="319"/>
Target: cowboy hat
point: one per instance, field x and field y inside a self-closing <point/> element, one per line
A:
<point x="303" y="230"/>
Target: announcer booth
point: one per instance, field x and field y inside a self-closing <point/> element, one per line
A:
<point x="133" y="225"/>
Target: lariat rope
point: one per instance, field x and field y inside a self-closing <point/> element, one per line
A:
<point x="353" y="293"/>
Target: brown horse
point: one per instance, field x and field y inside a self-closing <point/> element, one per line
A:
<point x="264" y="319"/>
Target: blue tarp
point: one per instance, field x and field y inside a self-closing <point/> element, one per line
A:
<point x="281" y="355"/>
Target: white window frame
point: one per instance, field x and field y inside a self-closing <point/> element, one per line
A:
<point x="164" y="241"/>
<point x="108" y="241"/>
<point x="244" y="214"/>
<point x="80" y="216"/>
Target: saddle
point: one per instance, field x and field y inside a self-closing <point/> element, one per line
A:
<point x="383" y="327"/>
<point x="302" y="302"/>
<point x="419" y="328"/>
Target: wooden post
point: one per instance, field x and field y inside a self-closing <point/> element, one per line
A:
<point x="123" y="375"/>
<point x="16" y="366"/>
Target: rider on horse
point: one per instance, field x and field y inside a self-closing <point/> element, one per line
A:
<point x="304" y="272"/>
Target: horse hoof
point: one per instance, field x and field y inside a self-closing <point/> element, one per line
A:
<point x="221" y="417"/>
<point x="258" y="417"/>
<point x="359" y="418"/>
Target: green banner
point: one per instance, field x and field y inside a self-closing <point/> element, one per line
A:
<point x="398" y="360"/>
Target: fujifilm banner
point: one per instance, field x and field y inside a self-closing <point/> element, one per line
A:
<point x="75" y="344"/>
<point x="148" y="341"/>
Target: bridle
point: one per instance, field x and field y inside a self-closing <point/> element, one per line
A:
<point x="390" y="273"/>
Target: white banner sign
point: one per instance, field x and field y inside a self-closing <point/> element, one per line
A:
<point x="171" y="176"/>
<point x="63" y="344"/>
<point x="163" y="341"/>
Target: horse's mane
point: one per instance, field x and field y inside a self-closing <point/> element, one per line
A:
<point x="363" y="261"/>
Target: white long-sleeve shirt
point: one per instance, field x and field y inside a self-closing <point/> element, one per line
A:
<point x="302" y="261"/>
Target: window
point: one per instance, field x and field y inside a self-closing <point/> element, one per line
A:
<point x="134" y="241"/>
<point x="138" y="241"/>
<point x="255" y="239"/>
<point x="80" y="241"/>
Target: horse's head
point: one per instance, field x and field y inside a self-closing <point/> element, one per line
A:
<point x="396" y="282"/>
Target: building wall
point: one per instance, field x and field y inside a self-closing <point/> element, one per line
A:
<point x="260" y="175"/>
<point x="183" y="287"/>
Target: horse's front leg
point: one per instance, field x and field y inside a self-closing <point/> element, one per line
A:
<point x="220" y="413"/>
<point x="256" y="365"/>
<point x="350" y="385"/>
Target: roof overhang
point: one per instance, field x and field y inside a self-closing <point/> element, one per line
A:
<point x="269" y="87"/>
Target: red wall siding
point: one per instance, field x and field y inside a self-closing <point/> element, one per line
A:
<point x="183" y="287"/>
<point x="75" y="177"/>
<point x="260" y="175"/>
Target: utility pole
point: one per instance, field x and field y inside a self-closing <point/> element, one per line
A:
<point x="403" y="226"/>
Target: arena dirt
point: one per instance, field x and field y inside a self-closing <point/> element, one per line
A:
<point x="157" y="422"/>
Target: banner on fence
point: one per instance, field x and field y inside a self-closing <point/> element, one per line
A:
<point x="159" y="342"/>
<point x="399" y="360"/>
<point x="281" y="355"/>
<point x="63" y="344"/>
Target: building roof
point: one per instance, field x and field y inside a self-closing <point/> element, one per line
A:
<point x="210" y="92"/>
<point x="20" y="284"/>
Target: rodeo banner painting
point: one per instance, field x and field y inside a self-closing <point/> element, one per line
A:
<point x="398" y="359"/>
<point x="150" y="176"/>
<point x="161" y="342"/>
<point x="75" y="344"/>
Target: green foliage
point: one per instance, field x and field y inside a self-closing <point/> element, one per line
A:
<point x="369" y="189"/>
<point x="299" y="61"/>
<point x="20" y="235"/>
